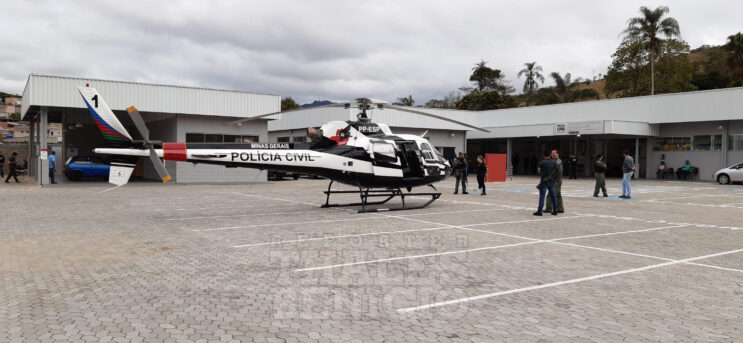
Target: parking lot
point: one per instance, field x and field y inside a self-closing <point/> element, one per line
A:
<point x="263" y="262"/>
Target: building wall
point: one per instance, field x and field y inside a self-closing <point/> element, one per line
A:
<point x="707" y="161"/>
<point x="735" y="128"/>
<point x="201" y="173"/>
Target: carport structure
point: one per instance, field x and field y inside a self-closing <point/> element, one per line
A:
<point x="172" y="113"/>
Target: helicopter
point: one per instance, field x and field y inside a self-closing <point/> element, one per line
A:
<point x="360" y="153"/>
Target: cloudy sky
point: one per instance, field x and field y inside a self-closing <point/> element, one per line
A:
<point x="328" y="49"/>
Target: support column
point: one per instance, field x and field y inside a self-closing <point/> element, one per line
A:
<point x="43" y="163"/>
<point x="509" y="153"/>
<point x="724" y="151"/>
<point x="31" y="158"/>
<point x="637" y="158"/>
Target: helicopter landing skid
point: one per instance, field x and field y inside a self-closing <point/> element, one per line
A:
<point x="387" y="194"/>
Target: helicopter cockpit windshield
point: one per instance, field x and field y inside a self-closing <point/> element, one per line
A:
<point x="427" y="152"/>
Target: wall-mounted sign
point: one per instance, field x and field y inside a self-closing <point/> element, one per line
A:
<point x="579" y="128"/>
<point x="559" y="128"/>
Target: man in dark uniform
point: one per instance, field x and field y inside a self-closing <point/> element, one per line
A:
<point x="558" y="184"/>
<point x="573" y="167"/>
<point x="482" y="170"/>
<point x="460" y="172"/>
<point x="547" y="170"/>
<point x="599" y="169"/>
<point x="12" y="165"/>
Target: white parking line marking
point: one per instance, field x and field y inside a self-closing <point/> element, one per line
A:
<point x="216" y="208"/>
<point x="279" y="224"/>
<point x="413" y="257"/>
<point x="560" y="283"/>
<point x="341" y="236"/>
<point x="465" y="227"/>
<point x="240" y="215"/>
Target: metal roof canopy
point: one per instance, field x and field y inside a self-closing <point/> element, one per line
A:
<point x="61" y="92"/>
<point x="708" y="105"/>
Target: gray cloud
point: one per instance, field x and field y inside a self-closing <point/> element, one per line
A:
<point x="327" y="49"/>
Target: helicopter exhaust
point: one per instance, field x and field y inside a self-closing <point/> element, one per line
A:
<point x="314" y="134"/>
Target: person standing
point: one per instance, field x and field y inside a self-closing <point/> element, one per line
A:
<point x="52" y="166"/>
<point x="460" y="173"/>
<point x="2" y="165"/>
<point x="555" y="155"/>
<point x="573" y="165"/>
<point x="12" y="165"/>
<point x="547" y="170"/>
<point x="599" y="169"/>
<point x="628" y="169"/>
<point x="482" y="169"/>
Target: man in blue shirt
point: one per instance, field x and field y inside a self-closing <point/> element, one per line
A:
<point x="546" y="170"/>
<point x="52" y="162"/>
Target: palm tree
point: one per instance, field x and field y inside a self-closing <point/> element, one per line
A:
<point x="532" y="72"/>
<point x="647" y="29"/>
<point x="565" y="90"/>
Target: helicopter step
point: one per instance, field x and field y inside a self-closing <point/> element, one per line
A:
<point x="387" y="194"/>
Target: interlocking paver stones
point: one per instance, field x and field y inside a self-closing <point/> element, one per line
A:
<point x="156" y="263"/>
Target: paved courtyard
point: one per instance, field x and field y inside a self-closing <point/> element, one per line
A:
<point x="263" y="263"/>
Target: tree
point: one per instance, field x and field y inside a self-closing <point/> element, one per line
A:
<point x="481" y="101"/>
<point x="405" y="101"/>
<point x="565" y="90"/>
<point x="533" y="73"/>
<point x="288" y="104"/>
<point x="628" y="73"/>
<point x="734" y="47"/>
<point x="647" y="29"/>
<point x="487" y="79"/>
<point x="449" y="101"/>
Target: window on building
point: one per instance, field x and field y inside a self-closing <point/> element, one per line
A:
<point x="672" y="144"/>
<point x="194" y="138"/>
<point x="299" y="139"/>
<point x="735" y="142"/>
<point x="283" y="139"/>
<point x="213" y="138"/>
<point x="717" y="142"/>
<point x="702" y="143"/>
<point x="232" y="138"/>
<point x="250" y="139"/>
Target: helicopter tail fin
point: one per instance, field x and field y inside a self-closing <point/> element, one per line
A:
<point x="111" y="128"/>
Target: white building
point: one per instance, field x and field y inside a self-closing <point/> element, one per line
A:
<point x="172" y="114"/>
<point x="704" y="127"/>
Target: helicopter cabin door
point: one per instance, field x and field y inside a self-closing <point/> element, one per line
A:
<point x="410" y="159"/>
<point x="385" y="160"/>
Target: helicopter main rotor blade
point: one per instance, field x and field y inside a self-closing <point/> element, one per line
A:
<point x="437" y="117"/>
<point x="142" y="128"/>
<point x="139" y="123"/>
<point x="240" y="121"/>
<point x="159" y="166"/>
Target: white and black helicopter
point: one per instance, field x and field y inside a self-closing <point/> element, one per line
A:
<point x="360" y="153"/>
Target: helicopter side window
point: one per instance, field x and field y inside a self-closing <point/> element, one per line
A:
<point x="427" y="152"/>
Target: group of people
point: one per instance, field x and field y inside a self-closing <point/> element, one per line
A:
<point x="460" y="169"/>
<point x="13" y="167"/>
<point x="550" y="171"/>
<point x="681" y="173"/>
